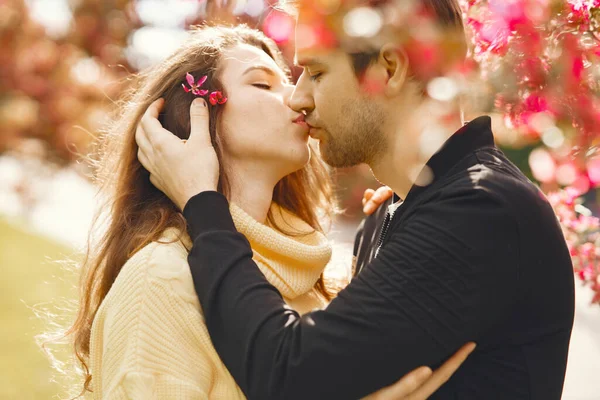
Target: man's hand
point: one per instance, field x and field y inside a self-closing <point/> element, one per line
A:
<point x="421" y="383"/>
<point x="180" y="169"/>
<point x="372" y="199"/>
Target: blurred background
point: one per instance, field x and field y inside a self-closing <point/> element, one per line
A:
<point x="534" y="67"/>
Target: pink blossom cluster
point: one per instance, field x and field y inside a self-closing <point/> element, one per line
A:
<point x="541" y="58"/>
<point x="582" y="233"/>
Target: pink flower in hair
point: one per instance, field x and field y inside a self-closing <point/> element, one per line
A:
<point x="195" y="87"/>
<point x="217" y="98"/>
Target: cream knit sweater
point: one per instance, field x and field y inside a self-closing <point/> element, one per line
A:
<point x="149" y="339"/>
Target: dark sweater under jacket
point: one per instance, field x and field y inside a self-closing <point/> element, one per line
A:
<point x="477" y="255"/>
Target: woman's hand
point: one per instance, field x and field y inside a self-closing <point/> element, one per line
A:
<point x="421" y="382"/>
<point x="372" y="199"/>
<point x="180" y="169"/>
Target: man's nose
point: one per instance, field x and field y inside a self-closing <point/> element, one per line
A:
<point x="302" y="99"/>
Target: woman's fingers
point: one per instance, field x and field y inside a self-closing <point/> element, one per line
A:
<point x="421" y="383"/>
<point x="404" y="387"/>
<point x="442" y="374"/>
<point x="379" y="197"/>
<point x="199" y="132"/>
<point x="367" y="196"/>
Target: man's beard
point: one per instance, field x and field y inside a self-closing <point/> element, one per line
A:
<point x="358" y="136"/>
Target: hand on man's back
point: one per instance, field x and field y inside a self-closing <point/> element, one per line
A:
<point x="421" y="383"/>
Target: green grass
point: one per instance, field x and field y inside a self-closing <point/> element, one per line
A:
<point x="31" y="278"/>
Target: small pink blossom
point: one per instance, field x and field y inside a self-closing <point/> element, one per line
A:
<point x="217" y="98"/>
<point x="577" y="68"/>
<point x="195" y="87"/>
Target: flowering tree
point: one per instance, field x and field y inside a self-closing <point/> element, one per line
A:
<point x="541" y="61"/>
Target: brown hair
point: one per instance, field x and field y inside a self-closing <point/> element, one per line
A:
<point x="447" y="14"/>
<point x="139" y="213"/>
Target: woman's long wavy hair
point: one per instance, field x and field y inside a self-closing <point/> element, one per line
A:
<point x="138" y="213"/>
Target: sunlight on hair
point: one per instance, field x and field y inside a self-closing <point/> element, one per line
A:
<point x="362" y="22"/>
<point x="57" y="315"/>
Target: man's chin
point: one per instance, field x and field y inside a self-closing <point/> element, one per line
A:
<point x="335" y="159"/>
<point x="330" y="159"/>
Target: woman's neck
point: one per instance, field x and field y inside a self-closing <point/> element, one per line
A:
<point x="252" y="192"/>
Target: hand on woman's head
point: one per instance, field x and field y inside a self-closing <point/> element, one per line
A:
<point x="257" y="129"/>
<point x="171" y="160"/>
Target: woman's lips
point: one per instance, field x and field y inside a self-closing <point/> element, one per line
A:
<point x="300" y="121"/>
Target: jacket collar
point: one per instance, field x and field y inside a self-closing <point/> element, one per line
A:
<point x="471" y="137"/>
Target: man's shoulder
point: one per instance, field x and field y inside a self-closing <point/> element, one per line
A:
<point x="490" y="175"/>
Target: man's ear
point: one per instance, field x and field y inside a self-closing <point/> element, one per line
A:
<point x="394" y="60"/>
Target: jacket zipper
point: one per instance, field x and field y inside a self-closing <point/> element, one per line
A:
<point x="389" y="217"/>
<point x="386" y="225"/>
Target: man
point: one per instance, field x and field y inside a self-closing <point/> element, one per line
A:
<point x="472" y="252"/>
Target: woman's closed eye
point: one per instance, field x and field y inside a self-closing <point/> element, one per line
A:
<point x="265" y="86"/>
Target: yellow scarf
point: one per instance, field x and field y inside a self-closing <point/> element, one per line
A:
<point x="291" y="263"/>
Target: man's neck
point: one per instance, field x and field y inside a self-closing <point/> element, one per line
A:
<point x="414" y="140"/>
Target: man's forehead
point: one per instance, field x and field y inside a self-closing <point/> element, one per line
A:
<point x="305" y="57"/>
<point x="312" y="42"/>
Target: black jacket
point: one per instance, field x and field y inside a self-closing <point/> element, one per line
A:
<point x="477" y="255"/>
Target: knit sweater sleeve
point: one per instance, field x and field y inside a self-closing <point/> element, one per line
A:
<point x="152" y="349"/>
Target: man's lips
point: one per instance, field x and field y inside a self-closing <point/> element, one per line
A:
<point x="312" y="130"/>
<point x="301" y="121"/>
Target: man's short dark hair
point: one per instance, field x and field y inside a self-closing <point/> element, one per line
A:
<point x="446" y="13"/>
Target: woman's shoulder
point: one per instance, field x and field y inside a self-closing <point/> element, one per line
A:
<point x="162" y="262"/>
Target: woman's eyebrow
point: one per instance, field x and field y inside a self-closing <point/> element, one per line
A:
<point x="267" y="70"/>
<point x="261" y="68"/>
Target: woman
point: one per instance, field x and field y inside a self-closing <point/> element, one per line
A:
<point x="140" y="332"/>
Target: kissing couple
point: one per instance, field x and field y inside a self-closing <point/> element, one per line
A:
<point x="211" y="280"/>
